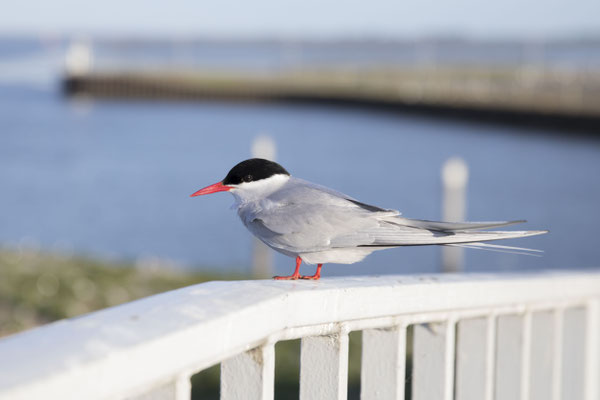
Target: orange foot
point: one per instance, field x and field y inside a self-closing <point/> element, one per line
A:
<point x="314" y="277"/>
<point x="288" y="278"/>
<point x="296" y="275"/>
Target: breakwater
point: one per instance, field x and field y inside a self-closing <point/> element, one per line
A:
<point x="561" y="98"/>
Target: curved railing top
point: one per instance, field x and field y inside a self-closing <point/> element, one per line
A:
<point x="189" y="329"/>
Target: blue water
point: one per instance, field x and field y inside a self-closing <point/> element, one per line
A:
<point x="112" y="178"/>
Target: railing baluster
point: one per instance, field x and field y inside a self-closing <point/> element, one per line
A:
<point x="557" y="351"/>
<point x="509" y="345"/>
<point x="592" y="365"/>
<point x="383" y="363"/>
<point x="449" y="360"/>
<point x="573" y="354"/>
<point x="542" y="357"/>
<point x="250" y="375"/>
<point x="324" y="367"/>
<point x="490" y="355"/>
<point x="471" y="358"/>
<point x="429" y="381"/>
<point x="526" y="356"/>
<point x="183" y="388"/>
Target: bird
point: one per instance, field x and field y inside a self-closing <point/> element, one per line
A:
<point x="318" y="225"/>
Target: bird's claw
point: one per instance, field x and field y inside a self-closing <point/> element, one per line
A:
<point x="310" y="277"/>
<point x="296" y="277"/>
<point x="287" y="278"/>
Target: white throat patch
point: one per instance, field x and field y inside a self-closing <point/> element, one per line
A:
<point x="249" y="191"/>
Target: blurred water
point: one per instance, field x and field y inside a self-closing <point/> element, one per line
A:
<point x="112" y="178"/>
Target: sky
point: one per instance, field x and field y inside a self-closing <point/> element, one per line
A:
<point x="305" y="18"/>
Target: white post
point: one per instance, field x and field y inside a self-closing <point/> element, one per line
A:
<point x="449" y="359"/>
<point x="490" y="357"/>
<point x="262" y="258"/>
<point x="183" y="388"/>
<point x="526" y="356"/>
<point x="557" y="352"/>
<point x="324" y="367"/>
<point x="433" y="361"/>
<point x="78" y="58"/>
<point x="573" y="356"/>
<point x="471" y="355"/>
<point x="509" y="363"/>
<point x="542" y="356"/>
<point x="592" y="367"/>
<point x="455" y="175"/>
<point x="383" y="363"/>
<point x="250" y="375"/>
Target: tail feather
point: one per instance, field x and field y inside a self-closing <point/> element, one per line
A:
<point x="451" y="226"/>
<point x="500" y="249"/>
<point x="418" y="237"/>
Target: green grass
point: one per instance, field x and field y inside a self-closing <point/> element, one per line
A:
<point x="38" y="288"/>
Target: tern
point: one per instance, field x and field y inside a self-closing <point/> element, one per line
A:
<point x="319" y="225"/>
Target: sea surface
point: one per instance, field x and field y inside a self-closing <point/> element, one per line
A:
<point x="112" y="178"/>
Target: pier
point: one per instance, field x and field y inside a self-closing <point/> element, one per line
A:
<point x="552" y="97"/>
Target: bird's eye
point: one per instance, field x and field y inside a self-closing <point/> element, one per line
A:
<point x="248" y="178"/>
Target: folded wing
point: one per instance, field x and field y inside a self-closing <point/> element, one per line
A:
<point x="309" y="218"/>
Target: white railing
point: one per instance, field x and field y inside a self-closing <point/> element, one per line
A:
<point x="473" y="337"/>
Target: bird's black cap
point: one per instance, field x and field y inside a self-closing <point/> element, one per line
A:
<point x="252" y="170"/>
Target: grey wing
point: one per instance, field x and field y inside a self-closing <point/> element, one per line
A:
<point x="306" y="191"/>
<point x="311" y="227"/>
<point x="303" y="217"/>
<point x="319" y="218"/>
<point x="452" y="226"/>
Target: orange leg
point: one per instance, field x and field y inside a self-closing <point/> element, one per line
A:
<point x="316" y="276"/>
<point x="296" y="274"/>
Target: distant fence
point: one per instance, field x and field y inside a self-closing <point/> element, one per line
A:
<point x="479" y="337"/>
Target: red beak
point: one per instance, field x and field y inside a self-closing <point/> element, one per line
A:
<point x="217" y="187"/>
